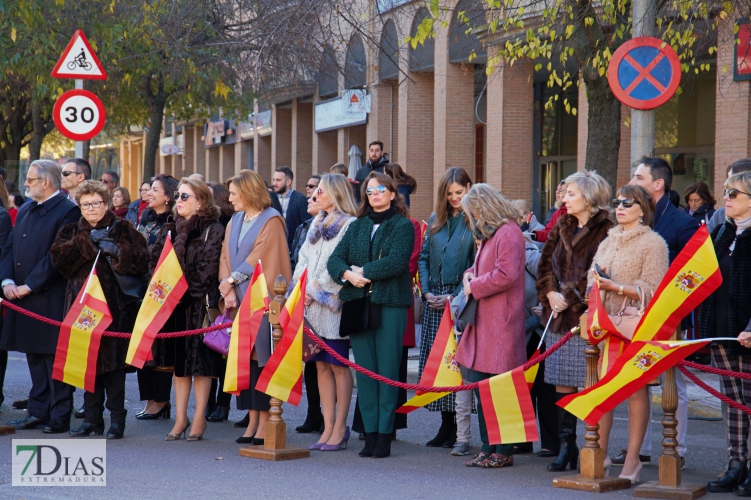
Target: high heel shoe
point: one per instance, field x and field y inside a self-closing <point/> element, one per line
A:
<point x="315" y="446"/>
<point x="196" y="437"/>
<point x="87" y="428"/>
<point x="164" y="413"/>
<point x="176" y="437"/>
<point x="634" y="478"/>
<point x="342" y="445"/>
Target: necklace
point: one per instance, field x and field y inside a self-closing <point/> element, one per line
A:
<point x="246" y="219"/>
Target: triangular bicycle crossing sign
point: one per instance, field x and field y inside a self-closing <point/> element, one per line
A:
<point x="79" y="61"/>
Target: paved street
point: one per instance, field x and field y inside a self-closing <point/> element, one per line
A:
<point x="144" y="466"/>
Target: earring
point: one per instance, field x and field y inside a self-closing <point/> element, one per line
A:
<point x="641" y="220"/>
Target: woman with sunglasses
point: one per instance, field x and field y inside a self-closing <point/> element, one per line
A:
<point x="727" y="313"/>
<point x="625" y="280"/>
<point x="256" y="233"/>
<point x="197" y="239"/>
<point x="561" y="286"/>
<point x="116" y="247"/>
<point x="373" y="258"/>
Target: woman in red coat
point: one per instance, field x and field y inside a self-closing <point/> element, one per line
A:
<point x="494" y="343"/>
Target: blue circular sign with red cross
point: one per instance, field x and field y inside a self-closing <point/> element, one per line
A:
<point x="644" y="73"/>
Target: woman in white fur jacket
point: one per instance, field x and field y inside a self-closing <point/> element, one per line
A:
<point x="323" y="308"/>
<point x="635" y="258"/>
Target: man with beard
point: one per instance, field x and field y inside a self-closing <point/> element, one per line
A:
<point x="377" y="159"/>
<point x="294" y="203"/>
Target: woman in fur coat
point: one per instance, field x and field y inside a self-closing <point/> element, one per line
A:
<point x="323" y="308"/>
<point x="197" y="239"/>
<point x="73" y="254"/>
<point x="635" y="258"/>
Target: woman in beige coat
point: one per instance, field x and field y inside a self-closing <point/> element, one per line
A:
<point x="635" y="258"/>
<point x="256" y="233"/>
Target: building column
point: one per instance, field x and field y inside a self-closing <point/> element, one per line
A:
<point x="199" y="155"/>
<point x="242" y="156"/>
<point x="281" y="137"/>
<point x="383" y="118"/>
<point x="510" y="130"/>
<point x="189" y="158"/>
<point x="213" y="160"/>
<point x="227" y="163"/>
<point x="302" y="142"/>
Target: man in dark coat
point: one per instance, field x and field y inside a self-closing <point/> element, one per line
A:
<point x="31" y="280"/>
<point x="676" y="228"/>
<point x="377" y="159"/>
<point x="294" y="203"/>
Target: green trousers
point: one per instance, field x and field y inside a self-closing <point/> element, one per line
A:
<point x="503" y="449"/>
<point x="380" y="351"/>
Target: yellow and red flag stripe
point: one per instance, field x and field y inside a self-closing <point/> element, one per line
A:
<point x="507" y="408"/>
<point x="599" y="325"/>
<point x="282" y="376"/>
<point x="640" y="363"/>
<point x="167" y="286"/>
<point x="609" y="354"/>
<point x="441" y="370"/>
<point x="80" y="335"/>
<point x="692" y="277"/>
<point x="245" y="328"/>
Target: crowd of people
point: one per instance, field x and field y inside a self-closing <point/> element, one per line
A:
<point x="363" y="253"/>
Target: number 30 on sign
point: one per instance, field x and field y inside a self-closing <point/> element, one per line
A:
<point x="79" y="115"/>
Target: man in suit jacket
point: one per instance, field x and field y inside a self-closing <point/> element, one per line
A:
<point x="294" y="203"/>
<point x="31" y="281"/>
<point x="676" y="228"/>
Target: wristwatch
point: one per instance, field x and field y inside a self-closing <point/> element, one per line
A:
<point x="620" y="290"/>
<point x="231" y="280"/>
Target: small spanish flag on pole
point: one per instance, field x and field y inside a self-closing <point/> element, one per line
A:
<point x="167" y="286"/>
<point x="245" y="328"/>
<point x="599" y="325"/>
<point x="507" y="408"/>
<point x="282" y="376"/>
<point x="440" y="368"/>
<point x="80" y="335"/>
<point x="640" y="363"/>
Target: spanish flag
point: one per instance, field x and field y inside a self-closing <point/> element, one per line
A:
<point x="282" y="376"/>
<point x="167" y="286"/>
<point x="599" y="325"/>
<point x="440" y="368"/>
<point x="244" y="332"/>
<point x="507" y="408"/>
<point x="692" y="277"/>
<point x="80" y="336"/>
<point x="640" y="362"/>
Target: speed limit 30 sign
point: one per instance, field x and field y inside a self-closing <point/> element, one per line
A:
<point x="79" y="114"/>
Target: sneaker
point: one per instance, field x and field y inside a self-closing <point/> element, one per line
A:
<point x="460" y="449"/>
<point x="619" y="460"/>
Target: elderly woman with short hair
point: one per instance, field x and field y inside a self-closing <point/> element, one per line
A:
<point x="116" y="247"/>
<point x="561" y="287"/>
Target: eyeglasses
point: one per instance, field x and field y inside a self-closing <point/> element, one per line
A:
<point x="371" y="190"/>
<point x="106" y="182"/>
<point x="93" y="204"/>
<point x="733" y="193"/>
<point x="32" y="179"/>
<point x="183" y="196"/>
<point x="627" y="203"/>
<point x="310" y="186"/>
<point x="66" y="173"/>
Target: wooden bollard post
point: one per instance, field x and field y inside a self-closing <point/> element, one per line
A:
<point x="275" y="431"/>
<point x="591" y="475"/>
<point x="669" y="484"/>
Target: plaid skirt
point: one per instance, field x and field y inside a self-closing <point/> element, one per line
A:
<point x="431" y="320"/>
<point x="566" y="366"/>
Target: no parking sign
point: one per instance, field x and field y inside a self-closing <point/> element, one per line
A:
<point x="644" y="73"/>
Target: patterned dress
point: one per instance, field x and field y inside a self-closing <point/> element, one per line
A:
<point x="431" y="320"/>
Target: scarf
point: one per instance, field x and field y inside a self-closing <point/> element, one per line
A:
<point x="327" y="226"/>
<point x="381" y="217"/>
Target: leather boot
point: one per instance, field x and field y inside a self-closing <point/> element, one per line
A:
<point x="383" y="446"/>
<point x="744" y="489"/>
<point x="370" y="443"/>
<point x="313" y="422"/>
<point x="569" y="452"/>
<point x="450" y="436"/>
<point x="447" y="418"/>
<point x="729" y="481"/>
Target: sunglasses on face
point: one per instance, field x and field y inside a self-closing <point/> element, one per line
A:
<point x="733" y="193"/>
<point x="371" y="190"/>
<point x="182" y="196"/>
<point x="627" y="203"/>
<point x="66" y="173"/>
<point x="310" y="186"/>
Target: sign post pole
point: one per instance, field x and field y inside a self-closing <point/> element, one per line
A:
<point x="642" y="121"/>
<point x="79" y="144"/>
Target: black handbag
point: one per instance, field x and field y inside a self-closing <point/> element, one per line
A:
<point x="359" y="315"/>
<point x="133" y="286"/>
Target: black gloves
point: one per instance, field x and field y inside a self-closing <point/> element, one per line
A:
<point x="109" y="248"/>
<point x="98" y="235"/>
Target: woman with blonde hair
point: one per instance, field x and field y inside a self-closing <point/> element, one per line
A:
<point x="197" y="240"/>
<point x="494" y="343"/>
<point x="323" y="307"/>
<point x="255" y="233"/>
<point x="561" y="287"/>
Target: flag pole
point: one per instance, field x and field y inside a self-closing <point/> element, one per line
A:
<point x="88" y="280"/>
<point x="542" y="338"/>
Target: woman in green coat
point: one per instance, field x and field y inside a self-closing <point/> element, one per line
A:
<point x="373" y="257"/>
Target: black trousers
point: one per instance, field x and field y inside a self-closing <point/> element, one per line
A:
<point x="113" y="385"/>
<point x="217" y="396"/>
<point x="543" y="399"/>
<point x="154" y="384"/>
<point x="311" y="389"/>
<point x="48" y="399"/>
<point x="3" y="367"/>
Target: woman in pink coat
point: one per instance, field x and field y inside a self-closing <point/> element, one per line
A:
<point x="494" y="344"/>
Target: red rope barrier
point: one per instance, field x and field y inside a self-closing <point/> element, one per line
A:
<point x="716" y="371"/>
<point x="714" y="392"/>
<point x="415" y="387"/>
